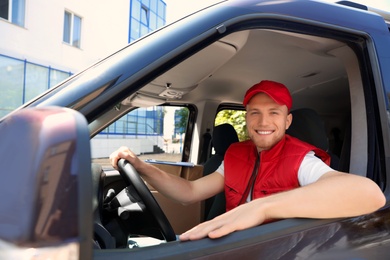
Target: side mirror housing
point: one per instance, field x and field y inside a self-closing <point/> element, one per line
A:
<point x="46" y="184"/>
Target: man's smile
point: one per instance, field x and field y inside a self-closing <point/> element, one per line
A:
<point x="264" y="132"/>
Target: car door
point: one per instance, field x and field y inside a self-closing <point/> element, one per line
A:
<point x="353" y="100"/>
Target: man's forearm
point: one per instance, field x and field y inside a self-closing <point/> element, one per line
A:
<point x="333" y="195"/>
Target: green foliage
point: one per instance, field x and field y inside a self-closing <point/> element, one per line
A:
<point x="181" y="124"/>
<point x="237" y="119"/>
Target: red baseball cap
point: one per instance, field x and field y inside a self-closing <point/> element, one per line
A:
<point x="277" y="91"/>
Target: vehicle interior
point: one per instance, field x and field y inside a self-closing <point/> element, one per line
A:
<point x="327" y="83"/>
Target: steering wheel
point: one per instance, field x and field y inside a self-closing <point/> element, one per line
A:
<point x="131" y="176"/>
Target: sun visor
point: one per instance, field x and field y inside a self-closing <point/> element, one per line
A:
<point x="141" y="100"/>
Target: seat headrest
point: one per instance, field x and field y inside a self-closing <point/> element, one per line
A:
<point x="223" y="136"/>
<point x="308" y="126"/>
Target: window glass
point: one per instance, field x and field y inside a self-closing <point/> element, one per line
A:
<point x="135" y="32"/>
<point x="152" y="133"/>
<point x="18" y="12"/>
<point x="76" y="31"/>
<point x="67" y="25"/>
<point x="13" y="11"/>
<point x="22" y="80"/>
<point x="57" y="76"/>
<point x="161" y="9"/>
<point x="4" y="9"/>
<point x="153" y="21"/>
<point x="144" y="15"/>
<point x="160" y="22"/>
<point x="11" y="84"/>
<point x="144" y="30"/>
<point x="72" y="29"/>
<point x="36" y="80"/>
<point x="135" y="10"/>
<point x="153" y="5"/>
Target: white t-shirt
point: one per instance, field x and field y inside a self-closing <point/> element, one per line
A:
<point x="311" y="169"/>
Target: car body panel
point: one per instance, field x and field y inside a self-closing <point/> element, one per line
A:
<point x="285" y="239"/>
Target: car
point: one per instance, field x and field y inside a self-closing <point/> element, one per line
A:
<point x="59" y="200"/>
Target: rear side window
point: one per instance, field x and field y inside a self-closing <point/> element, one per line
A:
<point x="235" y="117"/>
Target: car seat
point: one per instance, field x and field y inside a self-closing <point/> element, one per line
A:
<point x="223" y="136"/>
<point x="308" y="126"/>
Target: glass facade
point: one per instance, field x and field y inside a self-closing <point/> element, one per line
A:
<point x="139" y="122"/>
<point x="22" y="80"/>
<point x="146" y="16"/>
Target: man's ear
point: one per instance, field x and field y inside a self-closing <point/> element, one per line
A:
<point x="289" y="120"/>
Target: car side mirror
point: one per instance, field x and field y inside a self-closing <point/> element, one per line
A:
<point x="46" y="185"/>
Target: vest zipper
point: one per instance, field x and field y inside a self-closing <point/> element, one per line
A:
<point x="256" y="173"/>
<point x="252" y="181"/>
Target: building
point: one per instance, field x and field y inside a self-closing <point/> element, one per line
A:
<point x="45" y="42"/>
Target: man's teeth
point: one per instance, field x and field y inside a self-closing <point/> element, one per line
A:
<point x="264" y="132"/>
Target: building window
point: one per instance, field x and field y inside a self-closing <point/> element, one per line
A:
<point x="144" y="15"/>
<point x="72" y="29"/>
<point x="22" y="80"/>
<point x="13" y="11"/>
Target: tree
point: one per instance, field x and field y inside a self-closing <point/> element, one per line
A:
<point x="181" y="119"/>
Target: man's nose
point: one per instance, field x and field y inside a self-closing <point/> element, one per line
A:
<point x="262" y="119"/>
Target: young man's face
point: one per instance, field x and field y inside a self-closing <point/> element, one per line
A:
<point x="266" y="121"/>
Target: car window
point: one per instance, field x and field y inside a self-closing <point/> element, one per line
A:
<point x="155" y="133"/>
<point x="235" y="117"/>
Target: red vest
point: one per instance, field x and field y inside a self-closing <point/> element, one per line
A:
<point x="277" y="169"/>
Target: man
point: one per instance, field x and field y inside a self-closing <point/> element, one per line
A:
<point x="271" y="176"/>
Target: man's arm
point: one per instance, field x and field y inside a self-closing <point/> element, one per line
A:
<point x="334" y="195"/>
<point x="171" y="186"/>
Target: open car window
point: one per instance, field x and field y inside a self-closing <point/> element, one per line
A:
<point x="235" y="117"/>
<point x="152" y="133"/>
